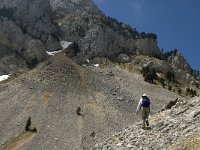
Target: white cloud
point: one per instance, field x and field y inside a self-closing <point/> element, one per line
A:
<point x="138" y="6"/>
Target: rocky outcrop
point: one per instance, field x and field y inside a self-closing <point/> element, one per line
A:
<point x="11" y="41"/>
<point x="176" y="128"/>
<point x="26" y="32"/>
<point x="96" y="34"/>
<point x="178" y="61"/>
<point x="71" y="6"/>
<point x="184" y="71"/>
<point x="48" y="21"/>
<point x="15" y="44"/>
<point x="33" y="17"/>
<point x="147" y="47"/>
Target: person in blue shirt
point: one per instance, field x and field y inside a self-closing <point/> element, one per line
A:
<point x="144" y="106"/>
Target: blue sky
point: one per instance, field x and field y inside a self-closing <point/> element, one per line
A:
<point x="175" y="22"/>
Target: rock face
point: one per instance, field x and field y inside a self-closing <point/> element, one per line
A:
<point x="33" y="17"/>
<point x="47" y="22"/>
<point x="11" y="42"/>
<point x="96" y="34"/>
<point x="180" y="65"/>
<point x="80" y="21"/>
<point x="72" y="107"/>
<point x="178" y="61"/>
<point x="27" y="31"/>
<point x="177" y="128"/>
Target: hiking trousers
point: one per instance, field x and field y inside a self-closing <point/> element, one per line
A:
<point x="145" y="115"/>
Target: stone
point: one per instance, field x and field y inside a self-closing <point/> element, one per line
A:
<point x="179" y="128"/>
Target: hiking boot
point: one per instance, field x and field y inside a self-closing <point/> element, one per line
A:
<point x="147" y="122"/>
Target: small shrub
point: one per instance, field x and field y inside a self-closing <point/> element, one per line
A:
<point x="162" y="81"/>
<point x="170" y="76"/>
<point x="78" y="111"/>
<point x="34" y="130"/>
<point x="179" y="91"/>
<point x="169" y="87"/>
<point x="191" y="92"/>
<point x="28" y="124"/>
<point x="32" y="62"/>
<point x="149" y="74"/>
<point x="197" y="85"/>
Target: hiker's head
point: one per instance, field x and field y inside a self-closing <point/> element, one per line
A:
<point x="144" y="95"/>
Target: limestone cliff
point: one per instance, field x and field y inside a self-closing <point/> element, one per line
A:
<point x="78" y="21"/>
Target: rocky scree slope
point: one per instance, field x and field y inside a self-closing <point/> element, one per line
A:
<point x="175" y="129"/>
<point x="72" y="107"/>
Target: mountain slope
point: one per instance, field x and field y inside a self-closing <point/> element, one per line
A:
<point x="73" y="107"/>
<point x="173" y="129"/>
<point x="30" y="28"/>
<point x="33" y="27"/>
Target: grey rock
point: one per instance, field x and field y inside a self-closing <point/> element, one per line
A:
<point x="52" y="44"/>
<point x="35" y="49"/>
<point x="123" y="58"/>
<point x="177" y="133"/>
<point x="98" y="37"/>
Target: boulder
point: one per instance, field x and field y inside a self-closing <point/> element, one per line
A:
<point x="35" y="49"/>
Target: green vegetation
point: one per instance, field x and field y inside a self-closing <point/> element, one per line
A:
<point x="149" y="74"/>
<point x="191" y="92"/>
<point x="78" y="111"/>
<point x="169" y="87"/>
<point x="28" y="124"/>
<point x="170" y="76"/>
<point x="7" y="12"/>
<point x="143" y="35"/>
<point x="119" y="27"/>
<point x="168" y="54"/>
<point x="162" y="81"/>
<point x="32" y="62"/>
<point x="179" y="91"/>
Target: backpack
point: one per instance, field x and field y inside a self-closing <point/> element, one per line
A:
<point x="145" y="102"/>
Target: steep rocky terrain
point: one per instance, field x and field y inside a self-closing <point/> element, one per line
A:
<point x="174" y="129"/>
<point x="30" y="28"/>
<point x="72" y="107"/>
<point x="90" y="91"/>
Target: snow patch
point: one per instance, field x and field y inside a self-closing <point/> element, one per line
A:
<point x="96" y="65"/>
<point x="87" y="60"/>
<point x="158" y="74"/>
<point x="4" y="77"/>
<point x="54" y="52"/>
<point x="64" y="45"/>
<point x="84" y="65"/>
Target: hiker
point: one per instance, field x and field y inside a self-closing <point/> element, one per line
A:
<point x="144" y="104"/>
